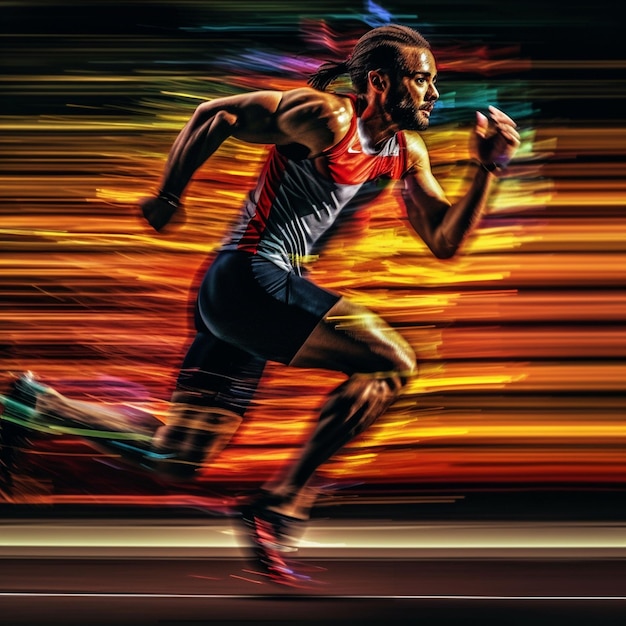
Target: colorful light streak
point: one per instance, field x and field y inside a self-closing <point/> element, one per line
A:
<point x="521" y="338"/>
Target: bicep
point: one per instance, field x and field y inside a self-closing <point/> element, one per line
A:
<point x="426" y="207"/>
<point x="425" y="201"/>
<point x="422" y="192"/>
<point x="423" y="196"/>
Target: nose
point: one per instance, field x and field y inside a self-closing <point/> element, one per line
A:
<point x="432" y="93"/>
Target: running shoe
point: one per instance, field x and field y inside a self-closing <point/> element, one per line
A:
<point x="19" y="407"/>
<point x="271" y="541"/>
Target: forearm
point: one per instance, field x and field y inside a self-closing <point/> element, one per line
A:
<point x="461" y="217"/>
<point x="199" y="139"/>
<point x="443" y="225"/>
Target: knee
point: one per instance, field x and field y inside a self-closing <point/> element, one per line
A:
<point x="400" y="366"/>
<point x="406" y="367"/>
<point x="390" y="353"/>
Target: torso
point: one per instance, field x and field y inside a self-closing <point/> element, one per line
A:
<point x="296" y="200"/>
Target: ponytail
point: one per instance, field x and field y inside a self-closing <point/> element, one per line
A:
<point x="327" y="73"/>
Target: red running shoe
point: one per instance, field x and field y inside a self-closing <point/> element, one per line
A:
<point x="271" y="537"/>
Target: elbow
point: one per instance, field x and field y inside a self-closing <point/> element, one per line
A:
<point x="443" y="249"/>
<point x="203" y="112"/>
<point x="434" y="238"/>
<point x="444" y="253"/>
<point x="225" y="121"/>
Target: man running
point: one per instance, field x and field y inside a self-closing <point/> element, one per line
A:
<point x="327" y="152"/>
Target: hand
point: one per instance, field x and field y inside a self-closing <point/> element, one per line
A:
<point x="158" y="211"/>
<point x="495" y="139"/>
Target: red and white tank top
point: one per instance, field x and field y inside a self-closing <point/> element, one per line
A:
<point x="293" y="204"/>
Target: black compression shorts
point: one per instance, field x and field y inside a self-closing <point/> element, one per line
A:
<point x="248" y="311"/>
<point x="250" y="302"/>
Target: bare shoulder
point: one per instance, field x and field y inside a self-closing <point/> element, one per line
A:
<point x="417" y="151"/>
<point x="318" y="118"/>
<point x="304" y="116"/>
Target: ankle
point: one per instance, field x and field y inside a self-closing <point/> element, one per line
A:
<point x="289" y="503"/>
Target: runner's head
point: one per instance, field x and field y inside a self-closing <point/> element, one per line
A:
<point x="398" y="54"/>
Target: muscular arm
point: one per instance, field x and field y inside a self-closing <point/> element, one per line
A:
<point x="210" y="125"/>
<point x="307" y="117"/>
<point x="441" y="224"/>
<point x="267" y="117"/>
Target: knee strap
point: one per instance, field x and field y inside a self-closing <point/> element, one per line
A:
<point x="193" y="436"/>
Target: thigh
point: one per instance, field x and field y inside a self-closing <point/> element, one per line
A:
<point x="218" y="374"/>
<point x="247" y="301"/>
<point x="353" y="339"/>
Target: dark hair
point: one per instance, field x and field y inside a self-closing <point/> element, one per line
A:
<point x="380" y="48"/>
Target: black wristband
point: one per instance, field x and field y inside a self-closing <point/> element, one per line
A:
<point x="170" y="198"/>
<point x="490" y="167"/>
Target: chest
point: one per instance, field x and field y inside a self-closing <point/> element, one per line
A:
<point x="350" y="164"/>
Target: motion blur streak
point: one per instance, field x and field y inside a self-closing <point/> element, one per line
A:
<point x="521" y="339"/>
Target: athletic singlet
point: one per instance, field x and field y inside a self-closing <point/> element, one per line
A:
<point x="293" y="204"/>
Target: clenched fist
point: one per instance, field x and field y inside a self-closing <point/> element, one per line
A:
<point x="160" y="210"/>
<point x="495" y="139"/>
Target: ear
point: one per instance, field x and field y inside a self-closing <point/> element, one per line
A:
<point x="378" y="80"/>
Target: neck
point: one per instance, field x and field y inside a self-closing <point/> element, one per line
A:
<point x="375" y="125"/>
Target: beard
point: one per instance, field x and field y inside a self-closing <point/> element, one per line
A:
<point x="405" y="113"/>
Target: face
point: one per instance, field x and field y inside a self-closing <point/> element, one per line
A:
<point x="411" y="98"/>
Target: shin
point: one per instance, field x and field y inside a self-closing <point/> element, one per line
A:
<point x="352" y="408"/>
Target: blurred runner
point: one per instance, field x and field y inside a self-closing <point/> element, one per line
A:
<point x="328" y="151"/>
